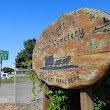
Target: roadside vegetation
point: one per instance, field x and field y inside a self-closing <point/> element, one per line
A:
<point x="11" y="79"/>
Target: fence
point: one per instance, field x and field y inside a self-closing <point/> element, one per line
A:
<point x="19" y="92"/>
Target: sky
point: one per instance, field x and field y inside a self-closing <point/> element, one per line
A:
<point x="21" y="20"/>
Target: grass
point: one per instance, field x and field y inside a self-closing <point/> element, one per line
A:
<point x="11" y="80"/>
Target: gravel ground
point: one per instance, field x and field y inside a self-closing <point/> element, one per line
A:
<point x="18" y="107"/>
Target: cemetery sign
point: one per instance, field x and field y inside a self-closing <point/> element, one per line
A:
<point x="74" y="51"/>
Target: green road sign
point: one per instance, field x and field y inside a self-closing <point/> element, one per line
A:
<point x="4" y="55"/>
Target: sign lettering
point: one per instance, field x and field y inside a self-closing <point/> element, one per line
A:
<point x="4" y="55"/>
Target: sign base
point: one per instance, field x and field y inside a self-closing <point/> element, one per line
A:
<point x="82" y="99"/>
<point x="86" y="99"/>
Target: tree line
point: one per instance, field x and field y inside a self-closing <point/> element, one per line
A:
<point x="24" y="57"/>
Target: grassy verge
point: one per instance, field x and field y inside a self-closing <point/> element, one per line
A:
<point x="11" y="80"/>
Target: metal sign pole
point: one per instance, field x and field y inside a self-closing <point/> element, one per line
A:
<point x="3" y="56"/>
<point x="15" y="83"/>
<point x="0" y="70"/>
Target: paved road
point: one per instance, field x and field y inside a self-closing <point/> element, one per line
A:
<point x="24" y="93"/>
<point x="7" y="92"/>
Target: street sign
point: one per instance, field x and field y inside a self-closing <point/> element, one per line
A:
<point x="4" y="55"/>
<point x="4" y="75"/>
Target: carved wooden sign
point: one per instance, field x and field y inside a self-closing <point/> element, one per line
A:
<point x="74" y="51"/>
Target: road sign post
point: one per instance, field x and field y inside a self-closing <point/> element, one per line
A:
<point x="3" y="56"/>
<point x="0" y="71"/>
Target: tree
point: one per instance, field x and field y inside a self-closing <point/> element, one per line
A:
<point x="7" y="70"/>
<point x="25" y="54"/>
<point x="29" y="46"/>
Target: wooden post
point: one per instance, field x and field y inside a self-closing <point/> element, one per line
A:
<point x="86" y="99"/>
<point x="45" y="98"/>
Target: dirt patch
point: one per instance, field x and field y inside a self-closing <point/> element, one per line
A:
<point x="18" y="107"/>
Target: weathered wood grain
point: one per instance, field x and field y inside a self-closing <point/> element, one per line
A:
<point x="86" y="99"/>
<point x="74" y="51"/>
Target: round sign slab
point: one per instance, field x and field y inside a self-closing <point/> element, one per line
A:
<point x="74" y="51"/>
